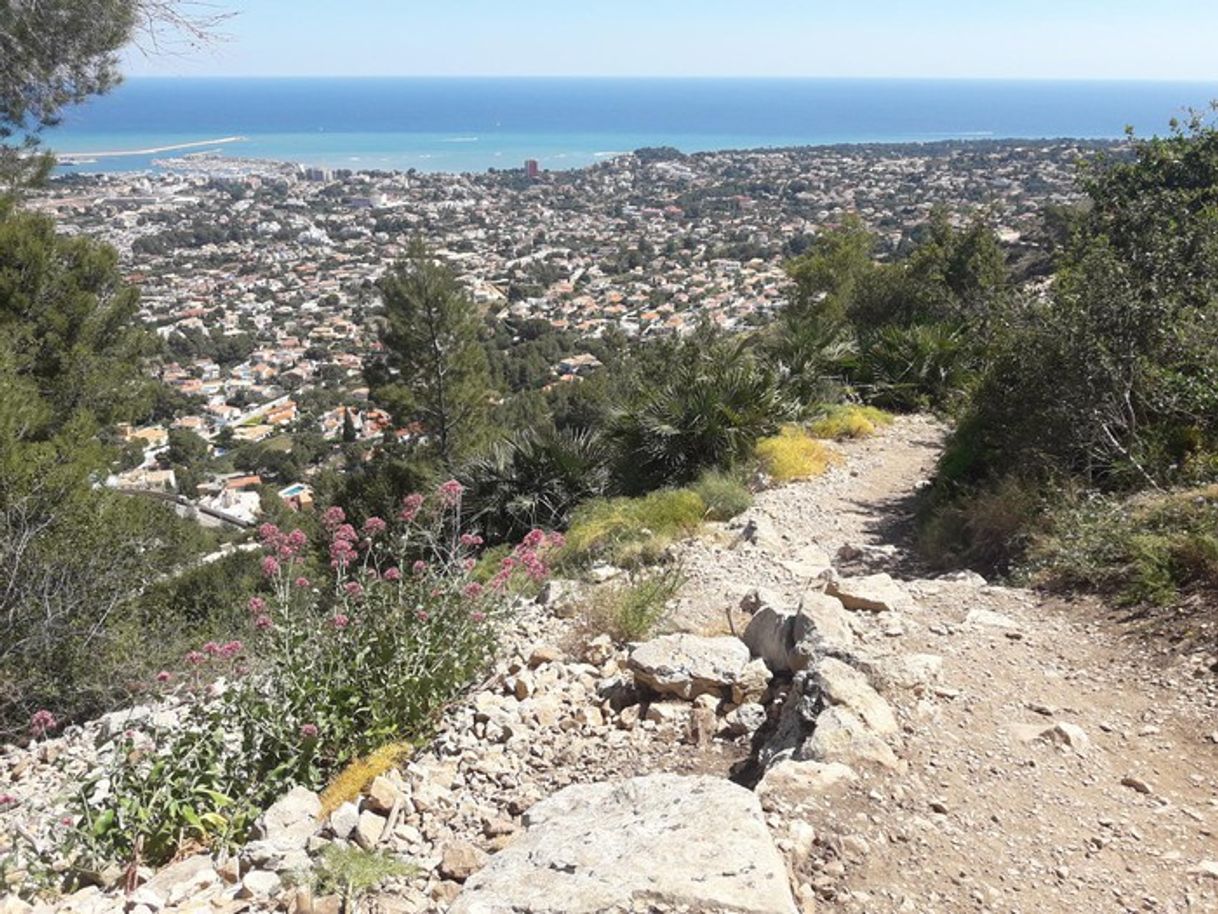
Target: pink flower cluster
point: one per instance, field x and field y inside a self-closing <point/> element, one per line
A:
<point x="42" y="722"/>
<point x="226" y="651"/>
<point x="528" y="558"/>
<point x="309" y="731"/>
<point x="343" y="551"/>
<point x="410" y="507"/>
<point x="280" y="545"/>
<point x="450" y="493"/>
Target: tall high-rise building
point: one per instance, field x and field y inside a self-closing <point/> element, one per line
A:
<point x="531" y="169"/>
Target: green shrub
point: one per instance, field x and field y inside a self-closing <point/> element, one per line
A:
<point x="794" y="454"/>
<point x="849" y="420"/>
<point x="706" y="409"/>
<point x="723" y="494"/>
<point x="351" y="872"/>
<point x="985" y="528"/>
<point x="534" y="479"/>
<point x="1144" y="549"/>
<point x="633" y="610"/>
<point x="631" y="531"/>
<point x="330" y="673"/>
<point x="912" y="368"/>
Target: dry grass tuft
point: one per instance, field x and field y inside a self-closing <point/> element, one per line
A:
<point x="794" y="454"/>
<point x="354" y="779"/>
<point x="849" y="421"/>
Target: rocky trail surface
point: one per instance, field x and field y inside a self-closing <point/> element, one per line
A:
<point x="821" y="727"/>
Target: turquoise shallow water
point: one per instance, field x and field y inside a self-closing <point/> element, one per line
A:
<point x="475" y="124"/>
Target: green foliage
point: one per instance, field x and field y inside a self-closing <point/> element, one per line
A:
<point x="631" y="531"/>
<point x="55" y="54"/>
<point x="352" y="872"/>
<point x="434" y="368"/>
<point x="827" y="276"/>
<point x="1106" y="384"/>
<point x="986" y="527"/>
<point x="918" y="367"/>
<point x="813" y="355"/>
<point x="74" y="557"/>
<point x="896" y="330"/>
<point x="534" y="479"/>
<point x="723" y="494"/>
<point x="1150" y="548"/>
<point x="632" y="610"/>
<point x="706" y="408"/>
<point x="330" y="673"/>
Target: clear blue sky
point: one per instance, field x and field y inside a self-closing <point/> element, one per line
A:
<point x="1104" y="39"/>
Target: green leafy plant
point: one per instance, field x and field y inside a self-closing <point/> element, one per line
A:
<point x="534" y="479"/>
<point x="708" y="409"/>
<point x="633" y="610"/>
<point x="351" y="872"/>
<point x="332" y="672"/>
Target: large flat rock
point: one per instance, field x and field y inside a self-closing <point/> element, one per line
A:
<point x="871" y="593"/>
<point x="689" y="665"/>
<point x="699" y="842"/>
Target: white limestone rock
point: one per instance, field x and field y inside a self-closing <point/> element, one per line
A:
<point x="701" y="842"/>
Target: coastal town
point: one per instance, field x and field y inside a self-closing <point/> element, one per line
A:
<point x="260" y="277"/>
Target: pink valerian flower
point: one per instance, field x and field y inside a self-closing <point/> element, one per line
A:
<point x="469" y="565"/>
<point x="194" y="658"/>
<point x="270" y="566"/>
<point x="472" y="591"/>
<point x="346" y="533"/>
<point x="302" y="582"/>
<point x="556" y="541"/>
<point x="419" y="567"/>
<point x="410" y="507"/>
<point x="342" y="553"/>
<point x="257" y="605"/>
<point x="268" y="533"/>
<point x="450" y="492"/>
<point x="471" y="539"/>
<point x="533" y="539"/>
<point x="309" y="731"/>
<point x="297" y="539"/>
<point x="375" y="526"/>
<point x="212" y="649"/>
<point x="422" y="615"/>
<point x="392" y="574"/>
<point x="42" y="722"/>
<point x="478" y="616"/>
<point x="164" y="676"/>
<point x="354" y="589"/>
<point x="230" y="649"/>
<point x="333" y="517"/>
<point x="263" y="622"/>
<point x="7" y="799"/>
<point x="340" y="620"/>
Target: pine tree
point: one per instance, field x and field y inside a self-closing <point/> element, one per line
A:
<point x="434" y="368"/>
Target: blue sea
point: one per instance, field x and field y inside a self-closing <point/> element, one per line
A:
<point x="473" y="124"/>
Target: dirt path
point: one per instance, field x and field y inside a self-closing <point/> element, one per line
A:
<point x="1115" y="810"/>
